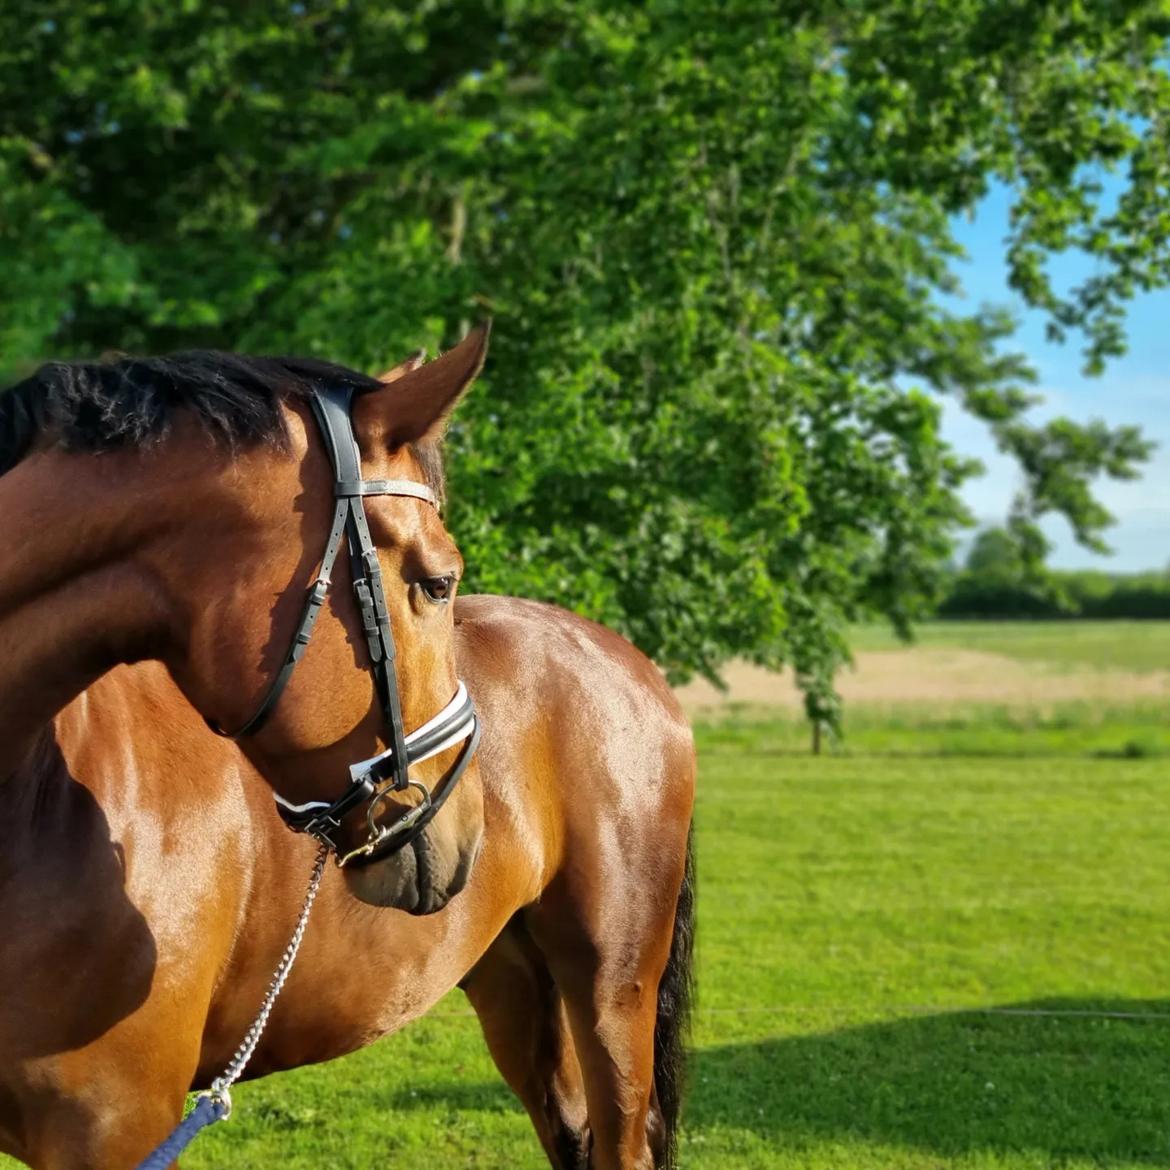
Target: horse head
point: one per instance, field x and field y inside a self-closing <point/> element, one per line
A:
<point x="362" y="729"/>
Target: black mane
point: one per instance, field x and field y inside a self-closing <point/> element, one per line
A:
<point x="132" y="401"/>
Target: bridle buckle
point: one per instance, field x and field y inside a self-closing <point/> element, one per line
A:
<point x="321" y="826"/>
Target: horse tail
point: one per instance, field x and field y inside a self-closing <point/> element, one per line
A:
<point x="675" y="992"/>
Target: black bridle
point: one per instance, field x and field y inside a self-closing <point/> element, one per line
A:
<point x="370" y="781"/>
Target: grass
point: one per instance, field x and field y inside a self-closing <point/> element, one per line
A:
<point x="988" y="731"/>
<point x="1129" y="645"/>
<point x="904" y="963"/>
<point x="941" y="946"/>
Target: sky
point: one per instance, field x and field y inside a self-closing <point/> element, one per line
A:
<point x="1133" y="389"/>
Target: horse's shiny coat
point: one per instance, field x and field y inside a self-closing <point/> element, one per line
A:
<point x="147" y="886"/>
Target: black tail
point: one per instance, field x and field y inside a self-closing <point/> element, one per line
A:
<point x="674" y="1009"/>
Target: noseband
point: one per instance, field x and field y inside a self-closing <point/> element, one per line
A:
<point x="371" y="781"/>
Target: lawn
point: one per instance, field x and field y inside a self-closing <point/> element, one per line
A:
<point x="920" y="962"/>
<point x="940" y="946"/>
<point x="1008" y="731"/>
<point x="1129" y="645"/>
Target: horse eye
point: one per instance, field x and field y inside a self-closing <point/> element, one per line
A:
<point x="438" y="589"/>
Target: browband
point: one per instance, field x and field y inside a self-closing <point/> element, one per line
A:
<point x="348" y="488"/>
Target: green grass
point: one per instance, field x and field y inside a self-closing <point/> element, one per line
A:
<point x="994" y="732"/>
<point x="904" y="962"/>
<point x="942" y="948"/>
<point x="1126" y="645"/>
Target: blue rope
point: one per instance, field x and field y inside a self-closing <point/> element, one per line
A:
<point x="208" y="1110"/>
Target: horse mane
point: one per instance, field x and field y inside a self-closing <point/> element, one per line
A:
<point x="132" y="402"/>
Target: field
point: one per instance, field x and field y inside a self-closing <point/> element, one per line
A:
<point x="1121" y="645"/>
<point x="942" y="945"/>
<point x="953" y="666"/>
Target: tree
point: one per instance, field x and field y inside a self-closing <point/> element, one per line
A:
<point x="713" y="239"/>
<point x="995" y="556"/>
<point x="1002" y="579"/>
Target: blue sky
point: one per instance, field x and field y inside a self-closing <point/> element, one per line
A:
<point x="1133" y="389"/>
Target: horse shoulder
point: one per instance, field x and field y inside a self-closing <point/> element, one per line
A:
<point x="578" y="722"/>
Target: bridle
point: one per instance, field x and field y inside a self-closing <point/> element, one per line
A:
<point x="370" y="781"/>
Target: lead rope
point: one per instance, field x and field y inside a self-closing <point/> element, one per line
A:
<point x="216" y="1103"/>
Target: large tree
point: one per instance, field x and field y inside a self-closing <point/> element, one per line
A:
<point x="715" y="238"/>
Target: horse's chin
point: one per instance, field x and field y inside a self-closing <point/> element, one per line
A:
<point x="421" y="878"/>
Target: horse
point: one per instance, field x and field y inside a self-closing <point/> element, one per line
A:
<point x="161" y="520"/>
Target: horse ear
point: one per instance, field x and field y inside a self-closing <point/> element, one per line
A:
<point x="420" y="397"/>
<point x="404" y="367"/>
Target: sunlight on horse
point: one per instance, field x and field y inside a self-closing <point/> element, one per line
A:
<point x="163" y="520"/>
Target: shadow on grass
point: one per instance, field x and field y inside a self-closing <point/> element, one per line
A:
<point x="1065" y="1085"/>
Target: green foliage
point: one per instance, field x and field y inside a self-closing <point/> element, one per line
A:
<point x="713" y="240"/>
<point x="999" y="580"/>
<point x="1004" y="576"/>
<point x="995" y="556"/>
<point x="1080" y="594"/>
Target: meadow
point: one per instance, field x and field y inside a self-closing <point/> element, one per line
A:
<point x="1123" y="645"/>
<point x="942" y="945"/>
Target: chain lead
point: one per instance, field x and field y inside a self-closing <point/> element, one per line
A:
<point x="221" y="1087"/>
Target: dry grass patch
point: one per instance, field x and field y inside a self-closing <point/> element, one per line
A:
<point x="937" y="675"/>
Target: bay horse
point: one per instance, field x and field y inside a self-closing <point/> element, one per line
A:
<point x="160" y="521"/>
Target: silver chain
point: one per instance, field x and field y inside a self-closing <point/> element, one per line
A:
<point x="220" y="1087"/>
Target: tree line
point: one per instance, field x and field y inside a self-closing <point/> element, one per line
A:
<point x="995" y="582"/>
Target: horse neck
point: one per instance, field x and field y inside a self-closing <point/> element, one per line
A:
<point x="73" y="601"/>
